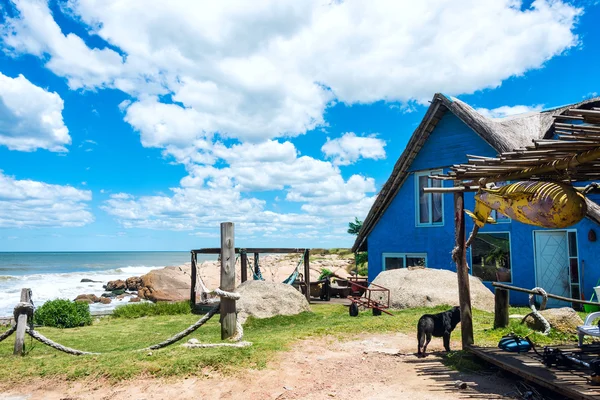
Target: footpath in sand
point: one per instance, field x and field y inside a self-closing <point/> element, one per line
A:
<point x="373" y="367"/>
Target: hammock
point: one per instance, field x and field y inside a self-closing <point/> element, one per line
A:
<point x="292" y="278"/>
<point x="257" y="273"/>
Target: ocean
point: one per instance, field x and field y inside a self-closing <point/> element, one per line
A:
<point x="58" y="275"/>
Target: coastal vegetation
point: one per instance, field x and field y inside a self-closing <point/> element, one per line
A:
<point x="61" y="313"/>
<point x="120" y="339"/>
<point x="151" y="309"/>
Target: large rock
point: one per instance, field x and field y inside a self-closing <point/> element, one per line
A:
<point x="116" y="285"/>
<point x="428" y="287"/>
<point x="87" y="298"/>
<point x="166" y="284"/>
<point x="134" y="283"/>
<point x="563" y="319"/>
<point x="262" y="299"/>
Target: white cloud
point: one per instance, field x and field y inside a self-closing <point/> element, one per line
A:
<point x="350" y="148"/>
<point x="507" y="111"/>
<point x="257" y="84"/>
<point x="30" y="117"/>
<point x="27" y="203"/>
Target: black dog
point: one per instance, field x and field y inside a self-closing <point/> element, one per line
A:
<point x="437" y="325"/>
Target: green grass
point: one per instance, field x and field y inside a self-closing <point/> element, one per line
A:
<point x="118" y="338"/>
<point x="151" y="309"/>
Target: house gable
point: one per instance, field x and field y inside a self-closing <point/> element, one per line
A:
<point x="448" y="144"/>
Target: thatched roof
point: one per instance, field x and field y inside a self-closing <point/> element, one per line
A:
<point x="502" y="135"/>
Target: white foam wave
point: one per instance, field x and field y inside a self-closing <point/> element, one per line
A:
<point x="64" y="286"/>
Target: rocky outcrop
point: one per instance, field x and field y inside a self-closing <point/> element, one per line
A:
<point x="87" y="298"/>
<point x="135" y="300"/>
<point x="86" y="280"/>
<point x="262" y="299"/>
<point x="134" y="283"/>
<point x="116" y="285"/>
<point x="563" y="319"/>
<point x="167" y="284"/>
<point x="428" y="287"/>
<point x="105" y="300"/>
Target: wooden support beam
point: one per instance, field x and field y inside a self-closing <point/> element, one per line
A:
<point x="459" y="254"/>
<point x="19" y="349"/>
<point x="194" y="278"/>
<point x="501" y="297"/>
<point x="307" y="273"/>
<point x="256" y="265"/>
<point x="244" y="264"/>
<point x="228" y="310"/>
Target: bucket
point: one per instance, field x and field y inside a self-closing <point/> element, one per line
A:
<point x="588" y="308"/>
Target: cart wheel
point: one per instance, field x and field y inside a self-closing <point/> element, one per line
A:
<point x="376" y="312"/>
<point x="353" y="309"/>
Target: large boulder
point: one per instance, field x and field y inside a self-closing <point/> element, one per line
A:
<point x="116" y="285"/>
<point x="262" y="299"/>
<point x="563" y="319"/>
<point x="166" y="284"/>
<point x="428" y="287"/>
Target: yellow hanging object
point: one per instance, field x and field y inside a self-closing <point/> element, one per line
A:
<point x="545" y="204"/>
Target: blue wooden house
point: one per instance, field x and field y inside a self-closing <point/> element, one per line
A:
<point x="407" y="227"/>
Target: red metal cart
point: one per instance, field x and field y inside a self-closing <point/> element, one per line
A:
<point x="371" y="296"/>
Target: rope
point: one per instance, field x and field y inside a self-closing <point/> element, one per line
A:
<point x="535" y="312"/>
<point x="292" y="278"/>
<point x="237" y="337"/>
<point x="41" y="338"/>
<point x="8" y="333"/>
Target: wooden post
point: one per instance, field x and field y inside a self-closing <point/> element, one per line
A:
<point x="244" y="264"/>
<point x="500" y="308"/>
<point x="194" y="278"/>
<point x="307" y="273"/>
<point x="460" y="258"/>
<point x="256" y="267"/>
<point x="22" y="325"/>
<point x="228" y="310"/>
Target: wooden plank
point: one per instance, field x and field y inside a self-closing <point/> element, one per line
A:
<point x="460" y="258"/>
<point x="19" y="349"/>
<point x="567" y="383"/>
<point x="244" y="266"/>
<point x="550" y="295"/>
<point x="307" y="273"/>
<point x="501" y="303"/>
<point x="228" y="311"/>
<point x="264" y="250"/>
<point x="256" y="264"/>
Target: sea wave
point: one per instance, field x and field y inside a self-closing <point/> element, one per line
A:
<point x="49" y="286"/>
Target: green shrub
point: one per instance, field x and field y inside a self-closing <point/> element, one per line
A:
<point x="146" y="309"/>
<point x="61" y="313"/>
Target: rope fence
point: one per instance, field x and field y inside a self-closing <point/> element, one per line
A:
<point x="26" y="308"/>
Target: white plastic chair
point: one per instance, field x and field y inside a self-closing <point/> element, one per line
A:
<point x="587" y="328"/>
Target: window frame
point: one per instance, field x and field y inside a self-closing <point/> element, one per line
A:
<point x="401" y="255"/>
<point x="510" y="256"/>
<point x="418" y="222"/>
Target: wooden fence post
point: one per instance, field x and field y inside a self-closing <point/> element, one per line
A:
<point x="228" y="310"/>
<point x="462" y="272"/>
<point x="22" y="325"/>
<point x="307" y="273"/>
<point x="501" y="302"/>
<point x="194" y="278"/>
<point x="244" y="264"/>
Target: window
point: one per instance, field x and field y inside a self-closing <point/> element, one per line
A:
<point x="499" y="217"/>
<point x="573" y="264"/>
<point x="429" y="206"/>
<point x="490" y="257"/>
<point x="403" y="260"/>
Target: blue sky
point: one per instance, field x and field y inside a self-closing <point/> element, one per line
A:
<point x="140" y="125"/>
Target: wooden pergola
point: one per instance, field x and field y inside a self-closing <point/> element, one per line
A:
<point x="571" y="156"/>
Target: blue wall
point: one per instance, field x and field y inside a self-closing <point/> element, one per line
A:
<point x="396" y="231"/>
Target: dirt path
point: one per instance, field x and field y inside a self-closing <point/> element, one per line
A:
<point x="376" y="367"/>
